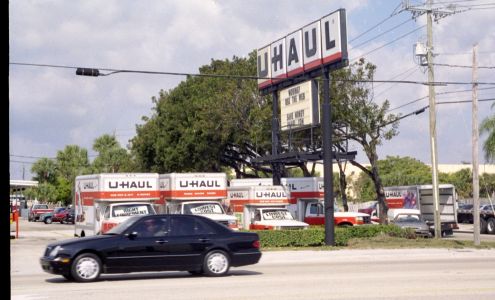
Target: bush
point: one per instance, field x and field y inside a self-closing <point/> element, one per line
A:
<point x="315" y="236"/>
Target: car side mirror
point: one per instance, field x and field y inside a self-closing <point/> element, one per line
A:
<point x="132" y="235"/>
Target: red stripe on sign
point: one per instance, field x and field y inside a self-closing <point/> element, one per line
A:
<point x="120" y="195"/>
<point x="295" y="72"/>
<point x="264" y="84"/>
<point x="194" y="194"/>
<point x="333" y="57"/>
<point x="313" y="64"/>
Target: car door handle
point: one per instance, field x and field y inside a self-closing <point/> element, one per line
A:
<point x="204" y="240"/>
<point x="161" y="241"/>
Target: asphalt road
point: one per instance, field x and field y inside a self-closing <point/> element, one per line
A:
<point x="340" y="274"/>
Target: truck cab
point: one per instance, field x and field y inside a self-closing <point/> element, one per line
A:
<point x="210" y="209"/>
<point x="115" y="213"/>
<point x="315" y="215"/>
<point x="276" y="218"/>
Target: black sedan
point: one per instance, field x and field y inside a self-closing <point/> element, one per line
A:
<point x="154" y="243"/>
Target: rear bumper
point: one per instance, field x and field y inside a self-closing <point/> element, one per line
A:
<point x="247" y="258"/>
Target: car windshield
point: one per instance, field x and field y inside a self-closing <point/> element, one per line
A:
<point x="277" y="214"/>
<point x="58" y="210"/>
<point x="407" y="218"/>
<point x="122" y="227"/>
<point x="203" y="208"/>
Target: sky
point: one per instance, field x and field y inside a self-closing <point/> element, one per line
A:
<point x="51" y="107"/>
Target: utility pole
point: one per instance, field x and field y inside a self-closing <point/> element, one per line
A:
<point x="438" y="14"/>
<point x="476" y="183"/>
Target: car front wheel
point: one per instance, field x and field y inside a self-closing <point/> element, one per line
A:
<point x="216" y="263"/>
<point x="48" y="221"/>
<point x="86" y="267"/>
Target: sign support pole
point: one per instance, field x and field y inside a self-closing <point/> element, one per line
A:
<point x="275" y="138"/>
<point x="328" y="161"/>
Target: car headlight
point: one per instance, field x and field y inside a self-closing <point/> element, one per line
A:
<point x="232" y="222"/>
<point x="54" y="251"/>
<point x="359" y="219"/>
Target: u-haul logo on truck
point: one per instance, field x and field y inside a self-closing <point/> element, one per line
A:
<point x="129" y="184"/>
<point x="199" y="184"/>
<point x="270" y="194"/>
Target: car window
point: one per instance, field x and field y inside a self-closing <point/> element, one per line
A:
<point x="152" y="227"/>
<point x="183" y="226"/>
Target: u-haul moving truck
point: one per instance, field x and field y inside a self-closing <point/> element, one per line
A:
<point x="197" y="193"/>
<point x="262" y="207"/>
<point x="102" y="201"/>
<point x="421" y="197"/>
<point x="306" y="200"/>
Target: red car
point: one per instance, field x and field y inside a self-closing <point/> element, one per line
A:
<point x="59" y="214"/>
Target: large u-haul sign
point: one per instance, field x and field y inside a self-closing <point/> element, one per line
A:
<point x="323" y="42"/>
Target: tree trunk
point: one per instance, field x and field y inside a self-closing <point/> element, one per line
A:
<point x="343" y="186"/>
<point x="375" y="176"/>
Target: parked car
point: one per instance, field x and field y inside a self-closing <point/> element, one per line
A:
<point x="36" y="211"/>
<point x="69" y="217"/>
<point x="53" y="216"/>
<point x="465" y="213"/>
<point x="59" y="215"/>
<point x="413" y="220"/>
<point x="154" y="243"/>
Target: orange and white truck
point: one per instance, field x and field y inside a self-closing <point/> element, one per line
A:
<point x="102" y="201"/>
<point x="261" y="207"/>
<point x="306" y="200"/>
<point x="197" y="193"/>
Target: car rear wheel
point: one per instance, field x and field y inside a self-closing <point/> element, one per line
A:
<point x="86" y="267"/>
<point x="216" y="263"/>
<point x="48" y="220"/>
<point x="490" y="226"/>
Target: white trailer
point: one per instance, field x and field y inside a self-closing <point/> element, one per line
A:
<point x="421" y="197"/>
<point x="197" y="193"/>
<point x="102" y="201"/>
<point x="262" y="207"/>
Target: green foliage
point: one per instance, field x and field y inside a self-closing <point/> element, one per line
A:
<point x="44" y="192"/>
<point x="488" y="126"/>
<point x="315" y="236"/>
<point x="394" y="171"/>
<point x="112" y="158"/>
<point x="64" y="191"/>
<point x="72" y="161"/>
<point x="45" y="170"/>
<point x="206" y="123"/>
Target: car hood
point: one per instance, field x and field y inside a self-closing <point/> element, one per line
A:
<point x="75" y="241"/>
<point x="349" y="214"/>
<point x="291" y="223"/>
<point x="412" y="225"/>
<point x="219" y="217"/>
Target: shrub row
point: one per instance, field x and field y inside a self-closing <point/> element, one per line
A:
<point x="315" y="236"/>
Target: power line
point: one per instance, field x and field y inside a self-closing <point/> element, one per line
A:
<point x="465" y="101"/>
<point x="255" y="77"/>
<point x="463" y="66"/>
<point x="394" y="13"/>
<point x="442" y="93"/>
<point x="393" y="41"/>
<point x="383" y="33"/>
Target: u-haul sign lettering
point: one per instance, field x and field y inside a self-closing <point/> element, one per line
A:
<point x="322" y="42"/>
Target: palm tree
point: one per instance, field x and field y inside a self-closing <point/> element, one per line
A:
<point x="488" y="126"/>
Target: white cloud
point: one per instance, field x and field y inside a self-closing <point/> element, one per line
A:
<point x="50" y="108"/>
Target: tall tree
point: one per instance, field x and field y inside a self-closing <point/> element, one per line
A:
<point x="208" y="124"/>
<point x="45" y="170"/>
<point x="112" y="158"/>
<point x="488" y="126"/>
<point x="365" y="121"/>
<point x="72" y="161"/>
